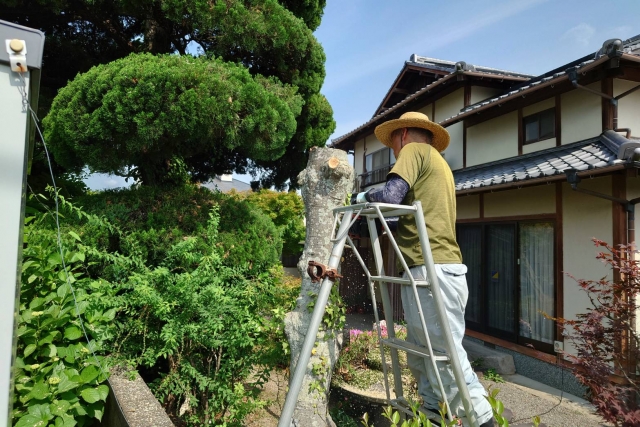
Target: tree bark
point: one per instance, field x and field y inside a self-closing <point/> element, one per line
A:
<point x="324" y="184"/>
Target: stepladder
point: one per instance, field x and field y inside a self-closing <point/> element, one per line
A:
<point x="390" y="345"/>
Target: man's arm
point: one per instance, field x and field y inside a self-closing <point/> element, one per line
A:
<point x="393" y="191"/>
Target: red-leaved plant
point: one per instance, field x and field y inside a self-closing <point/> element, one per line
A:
<point x="605" y="337"/>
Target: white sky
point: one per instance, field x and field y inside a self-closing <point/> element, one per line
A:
<point x="367" y="41"/>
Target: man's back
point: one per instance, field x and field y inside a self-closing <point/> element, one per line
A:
<point x="431" y="182"/>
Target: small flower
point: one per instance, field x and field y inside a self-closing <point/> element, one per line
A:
<point x="36" y="313"/>
<point x="84" y="350"/>
<point x="54" y="380"/>
<point x="55" y="359"/>
<point x="35" y="366"/>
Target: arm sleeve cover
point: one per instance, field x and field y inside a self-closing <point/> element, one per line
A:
<point x="393" y="192"/>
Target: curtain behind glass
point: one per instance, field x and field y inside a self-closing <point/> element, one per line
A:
<point x="470" y="241"/>
<point x="536" y="281"/>
<point x="500" y="281"/>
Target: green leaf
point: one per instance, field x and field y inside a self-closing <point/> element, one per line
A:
<point x="29" y="349"/>
<point x="54" y="259"/>
<point x="75" y="236"/>
<point x="65" y="421"/>
<point x="31" y="421"/>
<point x="59" y="407"/>
<point x="103" y="390"/>
<point x="89" y="373"/>
<point x="32" y="278"/>
<point x="36" y="302"/>
<point x="90" y="395"/>
<point x="96" y="410"/>
<point x="66" y="384"/>
<point x="40" y="391"/>
<point x="72" y="333"/>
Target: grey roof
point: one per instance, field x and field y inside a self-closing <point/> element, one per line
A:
<point x="593" y="153"/>
<point x="450" y="66"/>
<point x="629" y="47"/>
<point x="226" y="186"/>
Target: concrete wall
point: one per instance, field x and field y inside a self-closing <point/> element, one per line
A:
<point x="581" y="113"/>
<point x="629" y="106"/>
<point x="584" y="217"/>
<point x="479" y="93"/>
<point x="524" y="201"/>
<point x="449" y="105"/>
<point x="492" y="140"/>
<point x="468" y="207"/>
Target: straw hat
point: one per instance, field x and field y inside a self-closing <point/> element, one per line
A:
<point x="414" y="119"/>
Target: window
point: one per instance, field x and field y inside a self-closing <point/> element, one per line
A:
<point x="377" y="165"/>
<point x="539" y="126"/>
<point x="511" y="280"/>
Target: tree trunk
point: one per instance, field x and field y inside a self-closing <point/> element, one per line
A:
<point x="324" y="184"/>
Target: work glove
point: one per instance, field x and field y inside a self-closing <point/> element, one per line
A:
<point x="359" y="198"/>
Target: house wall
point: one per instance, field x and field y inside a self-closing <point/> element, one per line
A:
<point x="629" y="106"/>
<point x="479" y="93"/>
<point x="537" y="146"/>
<point x="581" y="113"/>
<point x="449" y="105"/>
<point x="633" y="191"/>
<point x="584" y="217"/>
<point x="524" y="201"/>
<point x="468" y="207"/>
<point x="454" y="154"/>
<point x="358" y="158"/>
<point x="428" y="110"/>
<point x="538" y="106"/>
<point x="492" y="140"/>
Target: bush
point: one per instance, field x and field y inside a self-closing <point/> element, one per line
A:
<point x="598" y="336"/>
<point x="57" y="379"/>
<point x="155" y="219"/>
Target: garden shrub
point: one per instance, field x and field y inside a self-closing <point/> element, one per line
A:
<point x="157" y="218"/>
<point x="58" y="381"/>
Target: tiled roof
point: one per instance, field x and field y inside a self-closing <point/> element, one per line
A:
<point x="593" y="153"/>
<point x="450" y="66"/>
<point x="628" y="47"/>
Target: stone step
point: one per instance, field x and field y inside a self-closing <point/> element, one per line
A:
<point x="502" y="363"/>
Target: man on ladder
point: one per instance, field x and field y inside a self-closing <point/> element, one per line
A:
<point x="422" y="174"/>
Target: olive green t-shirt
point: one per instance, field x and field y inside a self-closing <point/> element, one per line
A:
<point x="431" y="182"/>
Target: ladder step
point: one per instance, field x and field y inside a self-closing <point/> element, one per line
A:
<point x="391" y="279"/>
<point x="414" y="349"/>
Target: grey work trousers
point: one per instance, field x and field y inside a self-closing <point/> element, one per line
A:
<point x="453" y="285"/>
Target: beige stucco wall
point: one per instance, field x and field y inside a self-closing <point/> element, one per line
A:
<point x="358" y="158"/>
<point x="479" y="93"/>
<point x="449" y="105"/>
<point x="455" y="151"/>
<point x="581" y="114"/>
<point x="428" y="110"/>
<point x="633" y="191"/>
<point x="468" y="207"/>
<point x="537" y="146"/>
<point x="629" y="106"/>
<point x="538" y="106"/>
<point x="524" y="201"/>
<point x="492" y="140"/>
<point x="584" y="217"/>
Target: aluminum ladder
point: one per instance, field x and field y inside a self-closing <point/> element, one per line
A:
<point x="344" y="218"/>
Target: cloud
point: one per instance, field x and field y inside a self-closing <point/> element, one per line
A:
<point x="445" y="37"/>
<point x="581" y="34"/>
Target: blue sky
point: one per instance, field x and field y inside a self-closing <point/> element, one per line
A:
<point x="367" y="41"/>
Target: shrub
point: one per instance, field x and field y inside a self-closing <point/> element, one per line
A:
<point x="597" y="336"/>
<point x="57" y="379"/>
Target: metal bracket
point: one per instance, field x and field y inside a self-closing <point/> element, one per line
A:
<point x="317" y="272"/>
<point x="17" y="50"/>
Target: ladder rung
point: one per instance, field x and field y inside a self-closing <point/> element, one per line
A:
<point x="413" y="349"/>
<point x="391" y="279"/>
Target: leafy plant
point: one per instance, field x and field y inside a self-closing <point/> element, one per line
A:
<point x="599" y="334"/>
<point x="58" y="381"/>
<point x="491" y="375"/>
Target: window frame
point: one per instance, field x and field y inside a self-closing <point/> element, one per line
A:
<point x="537" y="117"/>
<point x="377" y="175"/>
<point x="482" y="325"/>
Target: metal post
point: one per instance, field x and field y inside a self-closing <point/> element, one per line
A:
<point x="446" y="330"/>
<point x="314" y="325"/>
<point x="20" y="59"/>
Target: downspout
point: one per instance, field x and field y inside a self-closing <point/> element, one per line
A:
<point x="613" y="49"/>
